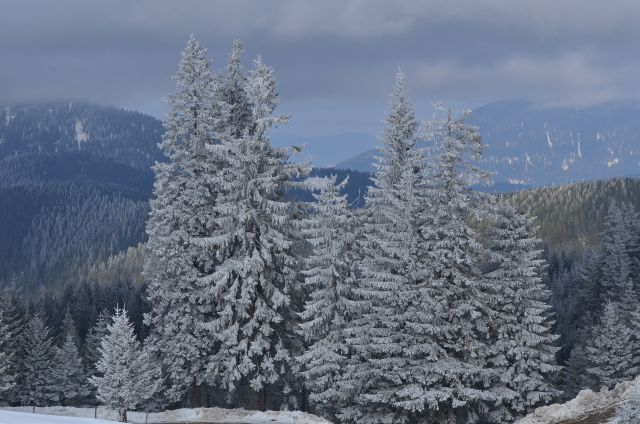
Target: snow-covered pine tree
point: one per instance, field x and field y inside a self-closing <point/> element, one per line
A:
<point x="330" y="278"/>
<point x="69" y="328"/>
<point x="394" y="373"/>
<point x="258" y="270"/>
<point x="453" y="254"/>
<point x="36" y="383"/>
<point x="7" y="381"/>
<point x="617" y="263"/>
<point x="574" y="375"/>
<point x="69" y="375"/>
<point x="610" y="349"/>
<point x="11" y="326"/>
<point x="185" y="192"/>
<point x="235" y="115"/>
<point x="93" y="341"/>
<point x="7" y="377"/>
<point x="129" y="376"/>
<point x="522" y="344"/>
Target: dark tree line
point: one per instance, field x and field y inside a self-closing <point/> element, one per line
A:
<point x="49" y="347"/>
<point x="595" y="296"/>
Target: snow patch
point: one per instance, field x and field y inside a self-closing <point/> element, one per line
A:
<point x="81" y="135"/>
<point x="587" y="403"/>
<point x="612" y="162"/>
<point x="8" y="117"/>
<point x="13" y="417"/>
<point x="565" y="165"/>
<point x="549" y="142"/>
<point x="70" y="415"/>
<point x="579" y="150"/>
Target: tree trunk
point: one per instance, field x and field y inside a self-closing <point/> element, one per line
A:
<point x="122" y="415"/>
<point x="263" y="401"/>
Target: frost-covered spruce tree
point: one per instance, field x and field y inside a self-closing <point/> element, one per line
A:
<point x="258" y="270"/>
<point x="463" y="315"/>
<point x="330" y="278"/>
<point x="617" y="263"/>
<point x="7" y="381"/>
<point x="11" y="326"/>
<point x="610" y="349"/>
<point x="395" y="375"/>
<point x="522" y="344"/>
<point x="36" y="383"/>
<point x="93" y="341"/>
<point x="7" y="377"/>
<point x="234" y="114"/>
<point x="185" y="192"/>
<point x="69" y="375"/>
<point x="69" y="328"/>
<point x="129" y="376"/>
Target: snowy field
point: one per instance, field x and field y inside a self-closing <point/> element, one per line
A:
<point x="69" y="415"/>
<point x="11" y="417"/>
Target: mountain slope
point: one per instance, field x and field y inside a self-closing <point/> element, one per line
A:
<point x="571" y="217"/>
<point x="75" y="180"/>
<point x="126" y="137"/>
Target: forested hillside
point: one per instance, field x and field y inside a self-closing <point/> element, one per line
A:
<point x="59" y="212"/>
<point x="122" y="136"/>
<point x="572" y="217"/>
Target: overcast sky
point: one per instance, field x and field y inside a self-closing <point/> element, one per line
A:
<point x="334" y="60"/>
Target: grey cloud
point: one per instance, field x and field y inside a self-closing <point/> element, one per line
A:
<point x="331" y="57"/>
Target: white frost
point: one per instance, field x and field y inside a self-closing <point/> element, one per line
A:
<point x="70" y="415"/>
<point x="549" y="142"/>
<point x="7" y="116"/>
<point x="579" y="150"/>
<point x="81" y="135"/>
<point x="11" y="417"/>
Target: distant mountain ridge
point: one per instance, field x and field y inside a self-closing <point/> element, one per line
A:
<point x="528" y="145"/>
<point x="105" y="132"/>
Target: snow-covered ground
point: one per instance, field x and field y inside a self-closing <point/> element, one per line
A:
<point x="69" y="415"/>
<point x="586" y="404"/>
<point x="12" y="417"/>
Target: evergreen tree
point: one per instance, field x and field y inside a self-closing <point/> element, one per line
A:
<point x="235" y="117"/>
<point x="36" y="384"/>
<point x="69" y="328"/>
<point x="330" y="277"/>
<point x="93" y="341"/>
<point x="463" y="314"/>
<point x="69" y="375"/>
<point x="574" y="376"/>
<point x="11" y="327"/>
<point x="617" y="265"/>
<point x="257" y="271"/>
<point x="129" y="376"/>
<point x="7" y="381"/>
<point x="610" y="350"/>
<point x="184" y="194"/>
<point x="396" y="373"/>
<point x="523" y="350"/>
